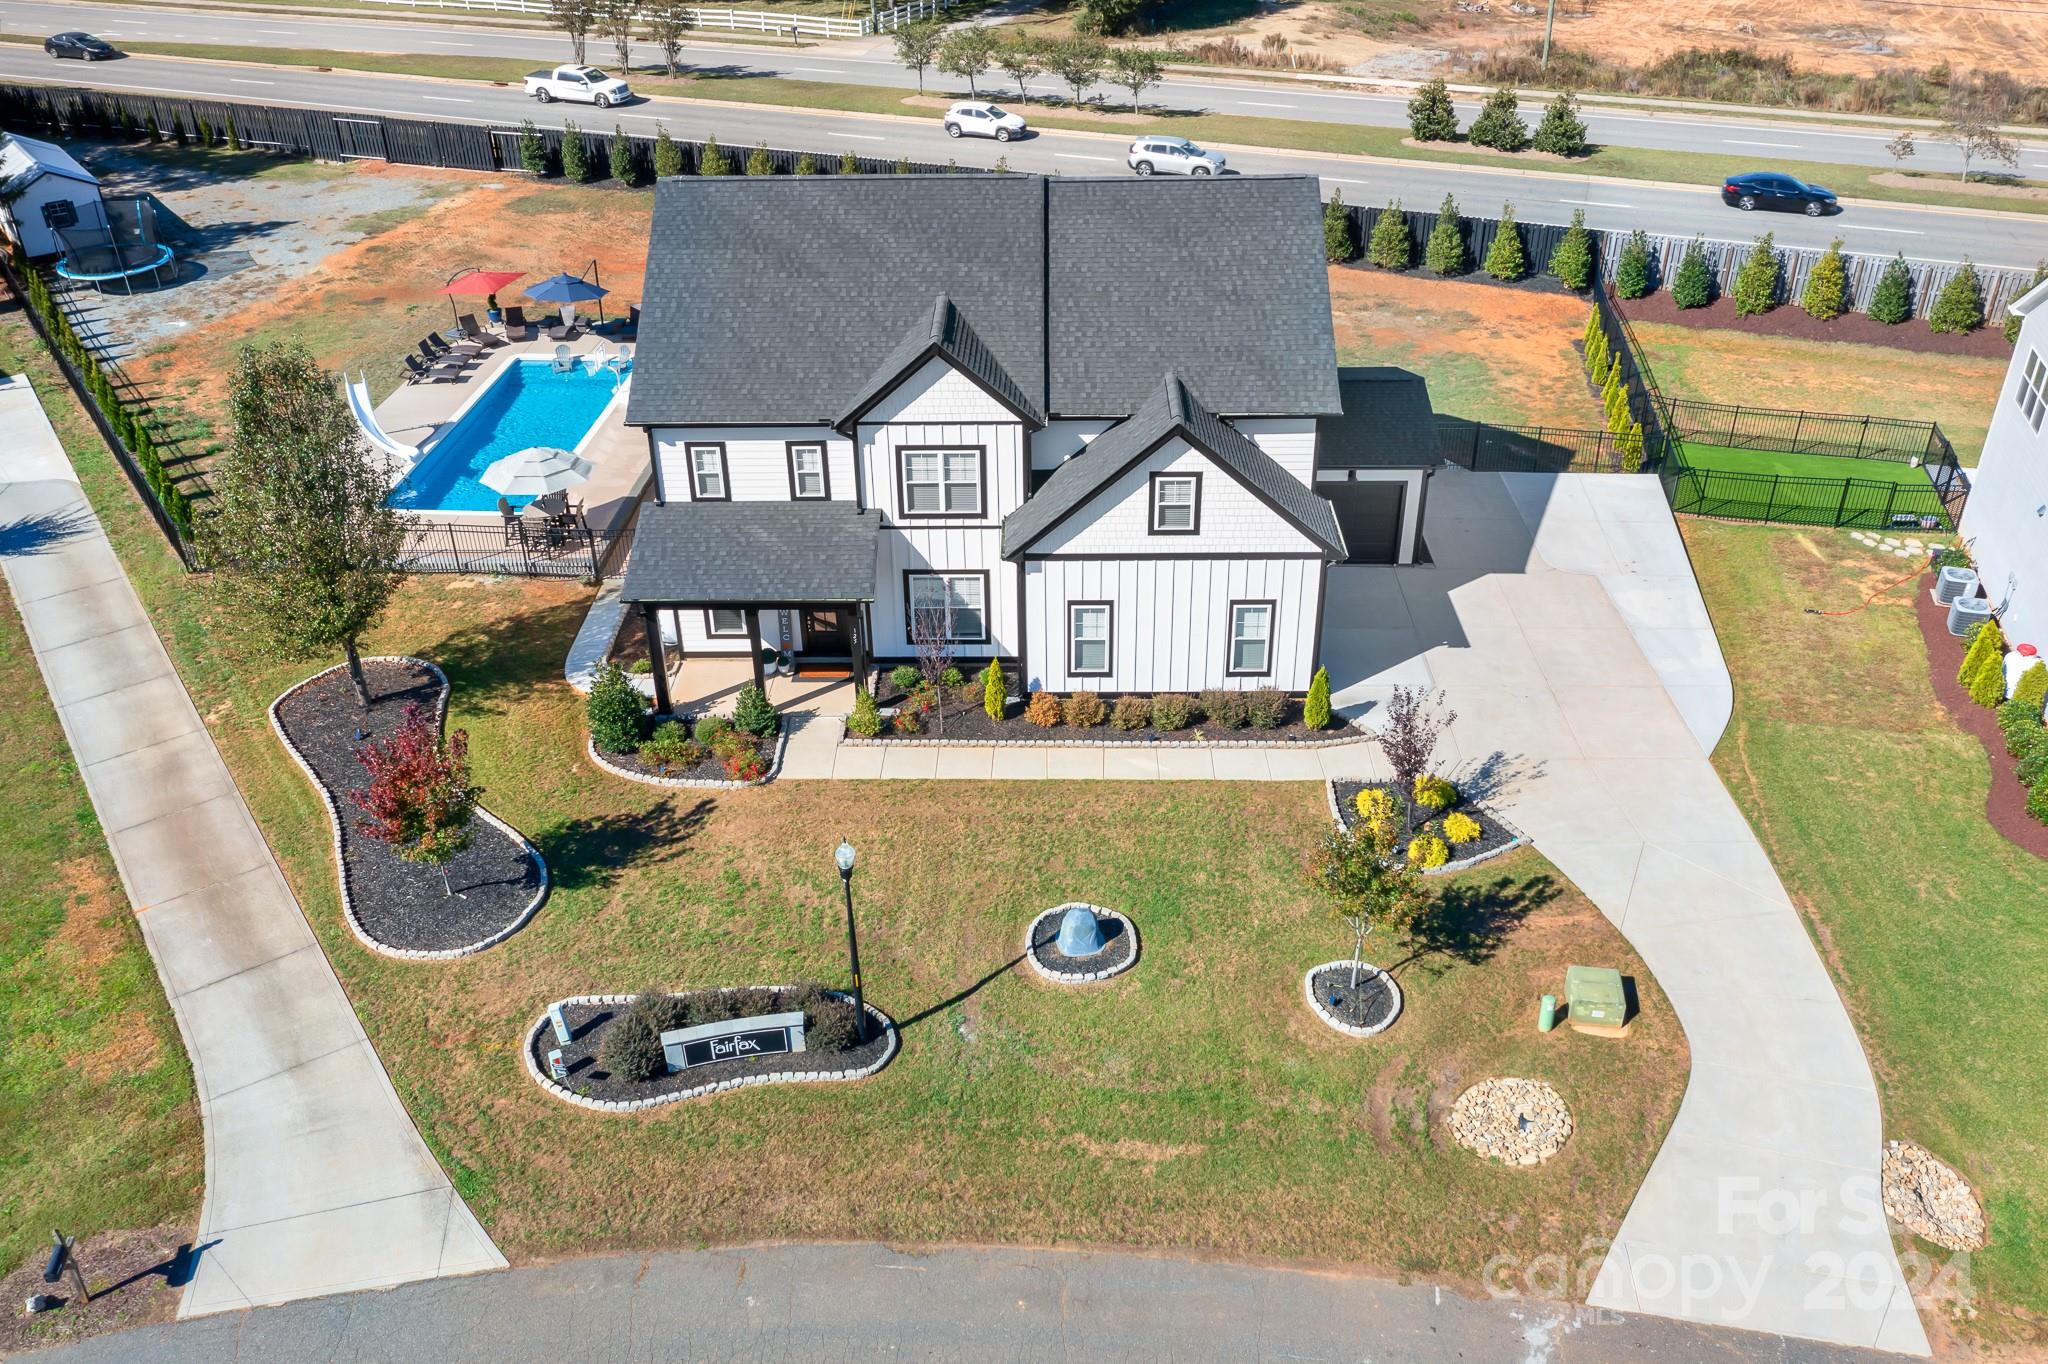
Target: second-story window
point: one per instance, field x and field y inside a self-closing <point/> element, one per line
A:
<point x="707" y="474"/>
<point x="942" y="482"/>
<point x="1176" y="504"/>
<point x="2033" y="390"/>
<point x="807" y="480"/>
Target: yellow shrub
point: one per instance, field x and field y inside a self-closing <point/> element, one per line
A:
<point x="1375" y="806"/>
<point x="1434" y="793"/>
<point x="1429" y="851"/>
<point x="1459" y="828"/>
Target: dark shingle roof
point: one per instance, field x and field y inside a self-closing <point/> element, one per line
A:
<point x="733" y="553"/>
<point x="1172" y="410"/>
<point x="1387" y="422"/>
<point x="767" y="296"/>
<point x="942" y="332"/>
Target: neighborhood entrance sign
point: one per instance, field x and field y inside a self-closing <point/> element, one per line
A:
<point x="735" y="1039"/>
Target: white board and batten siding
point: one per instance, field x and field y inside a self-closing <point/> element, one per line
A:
<point x="940" y="408"/>
<point x="756" y="459"/>
<point x="1233" y="519"/>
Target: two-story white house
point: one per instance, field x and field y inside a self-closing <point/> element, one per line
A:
<point x="1070" y="424"/>
<point x="2006" y="518"/>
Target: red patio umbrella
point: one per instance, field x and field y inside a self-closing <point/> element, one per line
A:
<point x="473" y="282"/>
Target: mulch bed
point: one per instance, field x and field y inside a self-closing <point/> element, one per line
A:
<point x="1493" y="835"/>
<point x="1368" y="1005"/>
<point x="398" y="903"/>
<point x="588" y="1077"/>
<point x="1116" y="947"/>
<point x="711" y="769"/>
<point x="1788" y="319"/>
<point x="966" y="722"/>
<point x="136" y="1279"/>
<point x="2006" y="806"/>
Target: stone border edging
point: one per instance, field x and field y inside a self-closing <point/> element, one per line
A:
<point x="1519" y="840"/>
<point x="693" y="783"/>
<point x="1308" y="991"/>
<point x="1080" y="977"/>
<point x="785" y="1077"/>
<point x="348" y="905"/>
<point x="851" y="740"/>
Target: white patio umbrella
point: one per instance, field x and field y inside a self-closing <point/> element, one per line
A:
<point x="536" y="470"/>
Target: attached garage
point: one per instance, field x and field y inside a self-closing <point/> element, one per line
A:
<point x="1373" y="462"/>
<point x="1370" y="513"/>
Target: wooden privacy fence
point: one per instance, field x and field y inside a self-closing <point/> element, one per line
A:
<point x="1897" y="439"/>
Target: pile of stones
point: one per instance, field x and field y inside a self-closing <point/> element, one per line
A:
<point x="1928" y="1198"/>
<point x="1516" y="1122"/>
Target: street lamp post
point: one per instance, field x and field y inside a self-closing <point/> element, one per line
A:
<point x="844" y="857"/>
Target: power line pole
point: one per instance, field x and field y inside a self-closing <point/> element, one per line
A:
<point x="1549" y="22"/>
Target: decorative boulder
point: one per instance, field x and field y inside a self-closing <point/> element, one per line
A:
<point x="1080" y="934"/>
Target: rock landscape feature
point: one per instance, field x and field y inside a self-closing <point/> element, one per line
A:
<point x="1075" y="943"/>
<point x="1513" y="1121"/>
<point x="1926" y="1196"/>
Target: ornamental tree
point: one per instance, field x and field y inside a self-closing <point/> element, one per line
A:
<point x="1505" y="259"/>
<point x="574" y="18"/>
<point x="1632" y="271"/>
<point x="668" y="157"/>
<point x="667" y="22"/>
<point x="1078" y="62"/>
<point x="1562" y="132"/>
<point x="420" y="801"/>
<point x="1756" y="280"/>
<point x="1959" y="307"/>
<point x="968" y="53"/>
<point x="575" y="156"/>
<point x="1415" y="721"/>
<point x="759" y="162"/>
<point x="1571" y="263"/>
<point x="1364" y="885"/>
<point x="712" y="160"/>
<point x="1388" y="247"/>
<point x="1444" y="252"/>
<point x="1136" y="69"/>
<point x="1500" y="124"/>
<point x="1431" y="117"/>
<point x="1892" y="301"/>
<point x="1315" y="707"/>
<point x="1338" y="246"/>
<point x="995" y="692"/>
<point x="1693" y="285"/>
<point x="1827" y="285"/>
<point x="1020" y="60"/>
<point x="621" y="163"/>
<point x="917" y="46"/>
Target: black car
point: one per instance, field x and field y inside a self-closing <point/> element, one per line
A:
<point x="83" y="46"/>
<point x="1767" y="189"/>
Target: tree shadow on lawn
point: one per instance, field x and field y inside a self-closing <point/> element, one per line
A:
<point x="595" y="852"/>
<point x="1469" y="922"/>
<point x="489" y="660"/>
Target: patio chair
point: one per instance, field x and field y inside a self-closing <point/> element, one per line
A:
<point x="477" y="334"/>
<point x="564" y="333"/>
<point x="633" y="319"/>
<point x="565" y="360"/>
<point x="515" y="529"/>
<point x="416" y="372"/>
<point x="517" y="328"/>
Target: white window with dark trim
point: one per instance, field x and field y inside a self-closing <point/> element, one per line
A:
<point x="807" y="473"/>
<point x="1088" y="647"/>
<point x="2032" y="394"/>
<point x="954" y="606"/>
<point x="707" y="473"/>
<point x="1251" y="638"/>
<point x="940" y="482"/>
<point x="1176" y="504"/>
<point x="725" y="623"/>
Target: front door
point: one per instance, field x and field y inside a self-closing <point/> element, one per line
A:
<point x="828" y="633"/>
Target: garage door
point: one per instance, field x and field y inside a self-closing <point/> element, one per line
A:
<point x="1370" y="515"/>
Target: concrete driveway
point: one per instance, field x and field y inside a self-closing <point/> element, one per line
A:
<point x="1562" y="619"/>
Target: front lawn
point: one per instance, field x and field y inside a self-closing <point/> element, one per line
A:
<point x="1871" y="805"/>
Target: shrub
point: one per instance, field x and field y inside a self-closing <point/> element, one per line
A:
<point x="1388" y="247"/>
<point x="806" y="164"/>
<point x="668" y="157"/>
<point x="1431" y="116"/>
<point x="1632" y="271"/>
<point x="995" y="691"/>
<point x="1224" y="709"/>
<point x="2032" y="688"/>
<point x="759" y="162"/>
<point x="1433" y="792"/>
<point x="1983" y="659"/>
<point x="1315" y="709"/>
<point x="2037" y="802"/>
<point x="1085" y="710"/>
<point x="1044" y="710"/>
<point x="533" y="152"/>
<point x="1375" y="807"/>
<point x="1444" y="253"/>
<point x="670" y="745"/>
<point x="849" y="164"/>
<point x="709" y="729"/>
<point x="909" y="719"/>
<point x="1693" y="285"/>
<point x="1427" y="850"/>
<point x="866" y="720"/>
<point x="642" y="667"/>
<point x="1571" y="264"/>
<point x="905" y="678"/>
<point x="1756" y="281"/>
<point x="1265" y="708"/>
<point x="1505" y="259"/>
<point x="753" y="712"/>
<point x="662" y="1011"/>
<point x="1338" y="246"/>
<point x="713" y="161"/>
<point x="747" y="765"/>
<point x="614" y="710"/>
<point x="1461" y="828"/>
<point x="829" y="1021"/>
<point x="2033" y="757"/>
<point x="1632" y="447"/>
<point x="1959" y="307"/>
<point x="632" y="1049"/>
<point x="1500" y="124"/>
<point x="1562" y="132"/>
<point x="621" y="160"/>
<point x="1172" y="711"/>
<point x="1131" y="712"/>
<point x="1892" y="301"/>
<point x="575" y="156"/>
<point x="2017" y="721"/>
<point x="1827" y="285"/>
<point x="952" y="677"/>
<point x="730" y="743"/>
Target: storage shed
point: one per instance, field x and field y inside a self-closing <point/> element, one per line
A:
<point x="44" y="192"/>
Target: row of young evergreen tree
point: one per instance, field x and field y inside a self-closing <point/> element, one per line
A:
<point x="577" y="164"/>
<point x="127" y="127"/>
<point x="1499" y="125"/>
<point x="1389" y="246"/>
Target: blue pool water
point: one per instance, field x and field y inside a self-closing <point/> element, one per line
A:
<point x="526" y="405"/>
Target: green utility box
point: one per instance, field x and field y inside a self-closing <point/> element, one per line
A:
<point x="1594" y="1000"/>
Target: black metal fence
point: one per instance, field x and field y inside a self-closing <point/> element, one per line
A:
<point x="1484" y="447"/>
<point x="1896" y="439"/>
<point x="516" y="550"/>
<point x="1783" y="499"/>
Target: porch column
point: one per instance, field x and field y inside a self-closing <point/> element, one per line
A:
<point x="655" y="657"/>
<point x="857" y="643"/>
<point x="754" y="649"/>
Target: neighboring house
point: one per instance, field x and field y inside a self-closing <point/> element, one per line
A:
<point x="1094" y="428"/>
<point x="43" y="191"/>
<point x="2006" y="519"/>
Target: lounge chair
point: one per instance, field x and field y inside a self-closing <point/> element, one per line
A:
<point x="565" y="360"/>
<point x="473" y="332"/>
<point x="562" y="332"/>
<point x="417" y="372"/>
<point x="517" y="328"/>
<point x="633" y="319"/>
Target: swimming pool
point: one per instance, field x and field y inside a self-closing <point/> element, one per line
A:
<point x="528" y="404"/>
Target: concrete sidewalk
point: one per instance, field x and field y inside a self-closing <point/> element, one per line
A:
<point x="316" y="1180"/>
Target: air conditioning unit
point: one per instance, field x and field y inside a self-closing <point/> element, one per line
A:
<point x="1965" y="614"/>
<point x="1953" y="582"/>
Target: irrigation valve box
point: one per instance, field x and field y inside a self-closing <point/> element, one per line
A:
<point x="1594" y="1001"/>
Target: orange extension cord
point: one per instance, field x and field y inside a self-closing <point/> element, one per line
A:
<point x="1816" y="611"/>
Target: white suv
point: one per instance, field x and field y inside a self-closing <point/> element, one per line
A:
<point x="973" y="118"/>
<point x="1172" y="156"/>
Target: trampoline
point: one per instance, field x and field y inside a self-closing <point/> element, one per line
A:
<point x="120" y="249"/>
<point x="104" y="266"/>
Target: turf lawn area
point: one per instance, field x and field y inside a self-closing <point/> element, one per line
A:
<point x="96" y="1098"/>
<point x="1871" y="805"/>
<point x="1789" y="465"/>
<point x="1193" y="1105"/>
<point x="1812" y="490"/>
<point x="1721" y="365"/>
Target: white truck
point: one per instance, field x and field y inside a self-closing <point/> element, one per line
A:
<point x="578" y="84"/>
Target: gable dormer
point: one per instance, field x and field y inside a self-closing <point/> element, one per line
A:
<point x="943" y="334"/>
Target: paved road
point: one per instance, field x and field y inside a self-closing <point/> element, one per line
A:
<point x="1539" y="196"/>
<point x="848" y="1304"/>
<point x="316" y="1179"/>
<point x="1747" y="142"/>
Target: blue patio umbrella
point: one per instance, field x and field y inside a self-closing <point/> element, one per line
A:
<point x="567" y="290"/>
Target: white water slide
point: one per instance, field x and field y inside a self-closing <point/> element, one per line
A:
<point x="359" y="404"/>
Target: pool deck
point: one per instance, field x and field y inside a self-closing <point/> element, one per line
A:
<point x="417" y="413"/>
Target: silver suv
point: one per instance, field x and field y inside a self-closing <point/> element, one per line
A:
<point x="1172" y="156"/>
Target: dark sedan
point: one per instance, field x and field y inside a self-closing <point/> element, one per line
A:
<point x="83" y="46"/>
<point x="1765" y="189"/>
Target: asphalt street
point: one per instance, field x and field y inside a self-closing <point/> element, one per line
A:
<point x="1748" y="143"/>
<point x="1993" y="239"/>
